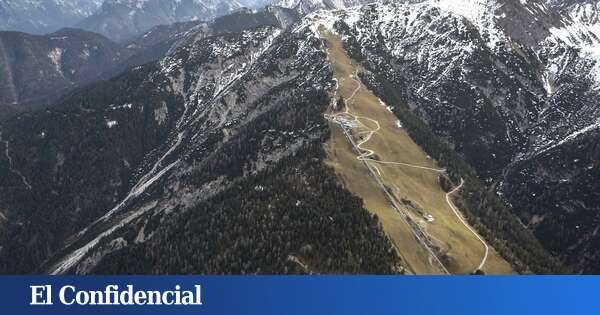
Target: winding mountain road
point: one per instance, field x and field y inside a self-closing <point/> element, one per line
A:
<point x="365" y="152"/>
<point x="345" y="118"/>
<point x="462" y="220"/>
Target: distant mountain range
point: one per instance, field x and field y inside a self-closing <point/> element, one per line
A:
<point x="307" y="6"/>
<point x="124" y="19"/>
<point x="223" y="146"/>
<point x="118" y="20"/>
<point x="35" y="70"/>
<point x="44" y="16"/>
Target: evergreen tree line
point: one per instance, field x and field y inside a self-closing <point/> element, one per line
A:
<point x="484" y="210"/>
<point x="294" y="218"/>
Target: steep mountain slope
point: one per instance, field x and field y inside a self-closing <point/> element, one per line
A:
<point x="224" y="134"/>
<point x="307" y="6"/>
<point x="39" y="69"/>
<point x="376" y="159"/>
<point x="163" y="40"/>
<point x="239" y="113"/>
<point x="500" y="95"/>
<point x="123" y="19"/>
<point x="560" y="175"/>
<point x="176" y="34"/>
<point x="44" y="16"/>
<point x="211" y="160"/>
<point x="583" y="12"/>
<point x="35" y="70"/>
<point x="246" y="18"/>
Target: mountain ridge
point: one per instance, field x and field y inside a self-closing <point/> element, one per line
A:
<point x="40" y="68"/>
<point x="504" y="102"/>
<point x="44" y="16"/>
<point x="122" y="20"/>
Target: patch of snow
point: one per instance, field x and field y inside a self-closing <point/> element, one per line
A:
<point x="479" y="12"/>
<point x="111" y="123"/>
<point x="161" y="113"/>
<point x="85" y="54"/>
<point x="571" y="137"/>
<point x="55" y="56"/>
<point x="593" y="53"/>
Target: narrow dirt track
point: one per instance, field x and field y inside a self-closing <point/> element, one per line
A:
<point x="462" y="220"/>
<point x="366" y="153"/>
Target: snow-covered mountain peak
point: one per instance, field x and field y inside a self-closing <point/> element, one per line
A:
<point x="481" y="13"/>
<point x="576" y="22"/>
<point x="307" y="6"/>
<point x="139" y="4"/>
<point x="478" y="13"/>
<point x="527" y="23"/>
<point x="474" y="10"/>
<point x="580" y="30"/>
